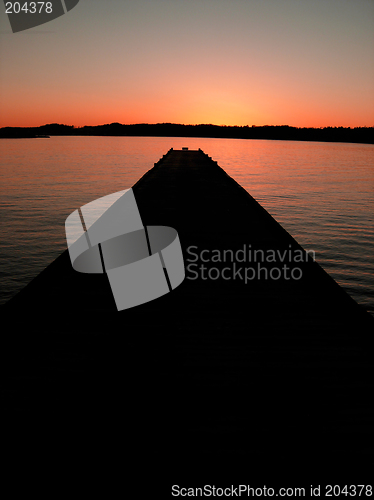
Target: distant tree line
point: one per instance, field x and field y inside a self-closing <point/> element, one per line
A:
<point x="278" y="132"/>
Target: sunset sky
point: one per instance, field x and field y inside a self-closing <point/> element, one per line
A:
<point x="304" y="63"/>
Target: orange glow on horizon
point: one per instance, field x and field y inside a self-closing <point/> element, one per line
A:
<point x="196" y="103"/>
<point x="203" y="110"/>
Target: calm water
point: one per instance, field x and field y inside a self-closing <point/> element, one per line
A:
<point x="322" y="193"/>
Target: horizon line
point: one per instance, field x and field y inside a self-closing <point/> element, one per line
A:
<point x="183" y="125"/>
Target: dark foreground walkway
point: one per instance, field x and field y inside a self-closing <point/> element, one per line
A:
<point x="265" y="376"/>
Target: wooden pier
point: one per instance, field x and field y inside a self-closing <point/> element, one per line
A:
<point x="264" y="374"/>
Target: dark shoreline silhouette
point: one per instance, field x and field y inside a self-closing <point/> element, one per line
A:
<point x="363" y="135"/>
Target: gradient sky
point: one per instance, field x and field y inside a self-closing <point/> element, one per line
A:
<point x="304" y="63"/>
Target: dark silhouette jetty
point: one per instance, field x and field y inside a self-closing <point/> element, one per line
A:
<point x="265" y="376"/>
